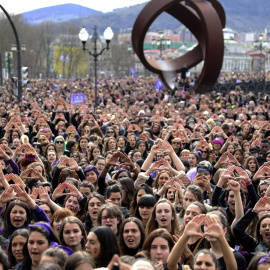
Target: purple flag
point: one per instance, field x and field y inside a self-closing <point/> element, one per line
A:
<point x="132" y="70"/>
<point x="107" y="85"/>
<point x="159" y="85"/>
<point x="135" y="78"/>
<point x="77" y="98"/>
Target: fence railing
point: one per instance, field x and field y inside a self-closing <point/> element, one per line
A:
<point x="254" y="87"/>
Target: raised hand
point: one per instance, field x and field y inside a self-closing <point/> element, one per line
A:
<point x="59" y="191"/>
<point x="194" y="226"/>
<point x="234" y="186"/>
<point x="156" y="148"/>
<point x="127" y="161"/>
<point x="63" y="163"/>
<point x="73" y="164"/>
<point x="73" y="191"/>
<point x="213" y="228"/>
<point x="261" y="205"/>
<point x="7" y="195"/>
<point x="113" y="160"/>
<point x="262" y="173"/>
<point x="167" y="147"/>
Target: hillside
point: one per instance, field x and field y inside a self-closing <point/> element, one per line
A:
<point x="242" y="15"/>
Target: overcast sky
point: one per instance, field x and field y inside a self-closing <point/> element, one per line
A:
<point x="18" y="6"/>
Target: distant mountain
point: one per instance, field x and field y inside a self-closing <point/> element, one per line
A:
<point x="59" y="13"/>
<point x="241" y="15"/>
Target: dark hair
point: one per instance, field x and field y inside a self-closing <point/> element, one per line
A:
<point x="258" y="225"/>
<point x="69" y="145"/>
<point x="253" y="265"/>
<point x="58" y="255"/>
<point x="208" y="252"/>
<point x="111" y="210"/>
<point x="120" y="171"/>
<point x="123" y="246"/>
<point x="4" y="260"/>
<point x="196" y="191"/>
<point x="158" y="233"/>
<point x="108" y="245"/>
<point x="133" y="205"/>
<point x="78" y="258"/>
<point x="91" y="152"/>
<point x="22" y="232"/>
<point x="147" y="200"/>
<point x="72" y="220"/>
<point x="113" y="189"/>
<point x="128" y="185"/>
<point x="8" y="227"/>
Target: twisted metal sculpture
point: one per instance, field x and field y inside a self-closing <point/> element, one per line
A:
<point x="205" y="20"/>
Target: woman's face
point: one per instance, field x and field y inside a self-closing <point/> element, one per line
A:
<point x="121" y="142"/>
<point x="73" y="204"/>
<point x="18" y="216"/>
<point x="96" y="152"/>
<point x="17" y="247"/>
<point x="14" y="135"/>
<point x="131" y="235"/>
<point x="59" y="143"/>
<point x="100" y="165"/>
<point x="56" y="225"/>
<point x="51" y="156"/>
<point x="265" y="230"/>
<point x="51" y="148"/>
<point x="38" y="169"/>
<point x="230" y="149"/>
<point x="263" y="189"/>
<point x="246" y="146"/>
<point x="268" y="157"/>
<point x="83" y="143"/>
<point x="91" y="177"/>
<point x="192" y="160"/>
<point x="239" y="157"/>
<point x="145" y="212"/>
<point x="162" y="179"/>
<point x="37" y="149"/>
<point x="184" y="155"/>
<point x="93" y="207"/>
<point x="93" y="246"/>
<point x="141" y="147"/>
<point x="72" y="235"/>
<point x="191" y="212"/>
<point x="168" y="159"/>
<point x="37" y="244"/>
<point x="111" y="144"/>
<point x="132" y="141"/>
<point x="159" y="250"/>
<point x="204" y="261"/>
<point x="109" y="220"/>
<point x="252" y="165"/>
<point x="140" y="193"/>
<point x="188" y="199"/>
<point x="164" y="215"/>
<point x="136" y="156"/>
<point x="16" y="142"/>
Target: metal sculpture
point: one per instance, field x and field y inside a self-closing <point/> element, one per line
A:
<point x="205" y="19"/>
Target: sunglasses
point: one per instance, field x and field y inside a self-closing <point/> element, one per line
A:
<point x="75" y="156"/>
<point x="59" y="142"/>
<point x="42" y="140"/>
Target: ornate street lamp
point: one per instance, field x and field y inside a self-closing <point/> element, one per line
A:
<point x="108" y="35"/>
<point x="161" y="43"/>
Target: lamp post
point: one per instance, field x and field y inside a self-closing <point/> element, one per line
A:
<point x="18" y="53"/>
<point x="130" y="50"/>
<point x="260" y="40"/>
<point x="161" y="43"/>
<point x="108" y="35"/>
<point x="1" y="69"/>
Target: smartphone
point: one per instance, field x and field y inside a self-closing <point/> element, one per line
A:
<point x="201" y="172"/>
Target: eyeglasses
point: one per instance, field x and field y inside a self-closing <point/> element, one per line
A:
<point x="109" y="132"/>
<point x="176" y="142"/>
<point x="47" y="211"/>
<point x="75" y="156"/>
<point x="59" y="142"/>
<point x="204" y="151"/>
<point x="136" y="155"/>
<point x="42" y="140"/>
<point x="111" y="218"/>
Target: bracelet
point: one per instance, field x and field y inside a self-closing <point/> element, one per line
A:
<point x="107" y="167"/>
<point x="249" y="182"/>
<point x="134" y="169"/>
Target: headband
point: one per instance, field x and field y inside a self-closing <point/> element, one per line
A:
<point x="263" y="259"/>
<point x="92" y="168"/>
<point x="44" y="225"/>
<point x="33" y="158"/>
<point x="204" y="168"/>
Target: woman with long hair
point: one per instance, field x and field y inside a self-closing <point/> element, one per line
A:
<point x="60" y="145"/>
<point x="163" y="216"/>
<point x="102" y="245"/>
<point x="72" y="233"/>
<point x="131" y="236"/>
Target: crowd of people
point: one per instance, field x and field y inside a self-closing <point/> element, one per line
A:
<point x="148" y="179"/>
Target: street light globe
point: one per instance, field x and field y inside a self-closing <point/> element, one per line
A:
<point x="83" y="35"/>
<point x="108" y="33"/>
<point x="261" y="37"/>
